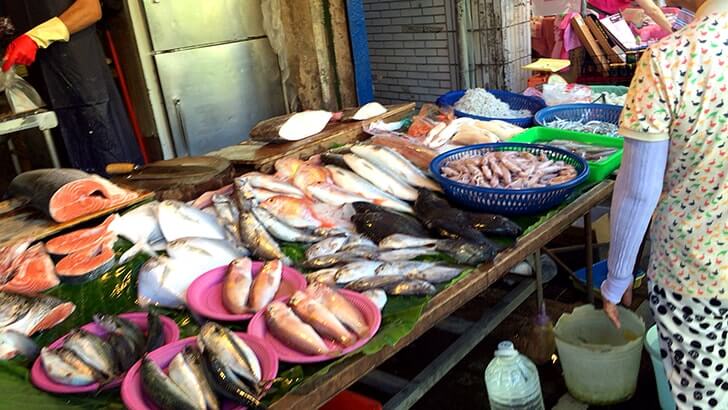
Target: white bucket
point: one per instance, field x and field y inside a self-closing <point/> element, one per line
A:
<point x="600" y="362"/>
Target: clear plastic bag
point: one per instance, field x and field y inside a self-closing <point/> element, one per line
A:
<point x="21" y="96"/>
<point x="556" y="94"/>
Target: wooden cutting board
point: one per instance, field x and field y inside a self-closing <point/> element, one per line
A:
<point x="182" y="179"/>
<point x="19" y="221"/>
<point x="250" y="155"/>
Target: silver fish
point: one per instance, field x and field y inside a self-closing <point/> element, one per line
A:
<point x="380" y="178"/>
<point x="65" y="367"/>
<point x="328" y="246"/>
<point x="252" y="232"/>
<point x="403" y="268"/>
<point x="354" y="183"/>
<point x="271" y="183"/>
<point x="436" y="274"/>
<point x="280" y="230"/>
<point x="406" y="254"/>
<point x="14" y="343"/>
<point x="162" y="390"/>
<point x="328" y="261"/>
<point x="141" y="227"/>
<point x="358" y="241"/>
<point x="374" y="282"/>
<point x="402" y="241"/>
<point x="228" y="384"/>
<point x="357" y="270"/>
<point x="411" y="288"/>
<point x="327" y="276"/>
<point x="329" y="193"/>
<point x="194" y="361"/>
<point x="123" y="327"/>
<point x="30" y="314"/>
<point x="377" y="296"/>
<point x="179" y="220"/>
<point x="227" y="214"/>
<point x="231" y="350"/>
<point x="93" y="350"/>
<point x="183" y="376"/>
<point x="397" y="165"/>
<point x="205" y="248"/>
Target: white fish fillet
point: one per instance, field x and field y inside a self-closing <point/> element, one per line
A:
<point x="380" y="178"/>
<point x="304" y="124"/>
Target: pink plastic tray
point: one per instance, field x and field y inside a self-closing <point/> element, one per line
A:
<point x="372" y="315"/>
<point x="131" y="389"/>
<point x="204" y="295"/>
<point x="41" y="380"/>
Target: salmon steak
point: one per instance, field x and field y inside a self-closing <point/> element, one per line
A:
<point x="80" y="239"/>
<point x="33" y="272"/>
<point x="8" y="255"/>
<point x="87" y="264"/>
<point x="31" y="314"/>
<point x="66" y="194"/>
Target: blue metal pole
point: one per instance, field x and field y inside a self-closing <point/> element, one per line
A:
<point x="360" y="51"/>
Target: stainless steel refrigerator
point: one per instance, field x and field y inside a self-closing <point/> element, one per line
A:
<point x="217" y="73"/>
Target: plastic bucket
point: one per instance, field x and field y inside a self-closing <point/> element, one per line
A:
<point x="600" y="362"/>
<point x="652" y="344"/>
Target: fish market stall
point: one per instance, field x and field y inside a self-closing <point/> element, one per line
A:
<point x="292" y="283"/>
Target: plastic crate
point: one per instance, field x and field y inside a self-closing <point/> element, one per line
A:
<point x="348" y="400"/>
<point x="580" y="112"/>
<point x="598" y="170"/>
<point x="508" y="201"/>
<point x="599" y="274"/>
<point x="515" y="101"/>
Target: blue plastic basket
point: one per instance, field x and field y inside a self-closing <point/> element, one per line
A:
<point x="508" y="201"/>
<point x="515" y="101"/>
<point x="580" y="112"/>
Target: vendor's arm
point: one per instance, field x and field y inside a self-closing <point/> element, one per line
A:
<point x="655" y="12"/>
<point x="636" y="194"/>
<point x="81" y="14"/>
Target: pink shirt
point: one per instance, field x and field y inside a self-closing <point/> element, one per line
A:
<point x="611" y="6"/>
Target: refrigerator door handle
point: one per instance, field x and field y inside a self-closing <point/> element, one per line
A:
<point x="181" y="121"/>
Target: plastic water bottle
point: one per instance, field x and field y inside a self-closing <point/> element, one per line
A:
<point x="512" y="381"/>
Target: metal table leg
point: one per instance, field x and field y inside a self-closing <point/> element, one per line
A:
<point x="51" y="148"/>
<point x="589" y="257"/>
<point x="14" y="156"/>
<point x="539" y="277"/>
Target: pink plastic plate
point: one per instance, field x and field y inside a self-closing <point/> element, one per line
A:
<point x="204" y="295"/>
<point x="131" y="389"/>
<point x="373" y="317"/>
<point x="41" y="380"/>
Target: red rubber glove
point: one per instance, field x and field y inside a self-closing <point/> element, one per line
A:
<point x="20" y="51"/>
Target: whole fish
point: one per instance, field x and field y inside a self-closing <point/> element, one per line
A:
<point x="124" y="351"/>
<point x="281" y="230"/>
<point x="328" y="246"/>
<point x="93" y="350"/>
<point x="227" y="384"/>
<point x="406" y="254"/>
<point x="296" y="212"/>
<point x="344" y="310"/>
<point x="14" y="343"/>
<point x="497" y="225"/>
<point x="236" y="285"/>
<point x="261" y="195"/>
<point x="287" y="167"/>
<point x="155" y="332"/>
<point x="377" y="296"/>
<point x="205" y="249"/>
<point x="179" y="220"/>
<point x="409" y="148"/>
<point x="466" y="252"/>
<point x="374" y="282"/>
<point x="141" y="227"/>
<point x="124" y="327"/>
<point x="357" y="270"/>
<point x="183" y="376"/>
<point x="230" y="350"/>
<point x="164" y="281"/>
<point x="380" y="178"/>
<point x="292" y="331"/>
<point x="162" y="390"/>
<point x="379" y="225"/>
<point x="331" y="194"/>
<point x="402" y="268"/>
<point x="327" y="276"/>
<point x="436" y="274"/>
<point x="271" y="183"/>
<point x="411" y="288"/>
<point x="252" y="232"/>
<point x="321" y="319"/>
<point x="194" y="361"/>
<point x="330" y="158"/>
<point x="65" y="367"/>
<point x="27" y="315"/>
<point x="265" y="285"/>
<point x="227" y="214"/>
<point x="309" y="175"/>
<point x="335" y="259"/>
<point x="401" y="241"/>
<point x="445" y="220"/>
<point x="397" y="165"/>
<point x="357" y="241"/>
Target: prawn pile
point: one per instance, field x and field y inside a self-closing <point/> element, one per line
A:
<point x="509" y="169"/>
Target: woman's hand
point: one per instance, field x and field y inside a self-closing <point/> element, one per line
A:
<point x="610" y="309"/>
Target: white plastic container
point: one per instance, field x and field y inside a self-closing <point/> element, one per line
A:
<point x="512" y="381"/>
<point x="600" y="362"/>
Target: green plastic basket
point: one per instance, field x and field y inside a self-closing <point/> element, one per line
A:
<point x="614" y="89"/>
<point x="599" y="170"/>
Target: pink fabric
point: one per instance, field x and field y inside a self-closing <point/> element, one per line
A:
<point x="611" y="6"/>
<point x="566" y="38"/>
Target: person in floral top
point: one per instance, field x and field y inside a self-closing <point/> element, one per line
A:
<point x="675" y="166"/>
